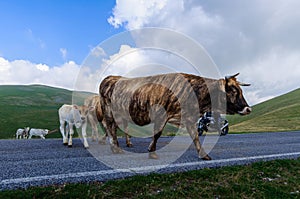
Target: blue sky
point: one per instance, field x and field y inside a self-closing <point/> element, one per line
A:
<point x="46" y="41"/>
<point x="38" y="31"/>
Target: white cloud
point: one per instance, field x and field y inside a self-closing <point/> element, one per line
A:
<point x="127" y="61"/>
<point x="63" y="52"/>
<point x="135" y="62"/>
<point x="4" y="65"/>
<point x="137" y="13"/>
<point x="255" y="97"/>
<point x="34" y="39"/>
<point x="179" y="15"/>
<point x="24" y="72"/>
<point x="98" y="51"/>
<point x="42" y="67"/>
<point x="260" y="39"/>
<point x="124" y="61"/>
<point x="274" y="73"/>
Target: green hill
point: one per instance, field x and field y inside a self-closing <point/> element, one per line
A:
<point x="34" y="106"/>
<point x="278" y="114"/>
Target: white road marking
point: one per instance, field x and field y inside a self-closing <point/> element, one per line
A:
<point x="141" y="169"/>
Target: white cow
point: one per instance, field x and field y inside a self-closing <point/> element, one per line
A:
<point x="38" y="132"/>
<point x="70" y="115"/>
<point x="22" y="133"/>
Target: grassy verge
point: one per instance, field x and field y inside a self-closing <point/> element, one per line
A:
<point x="278" y="114"/>
<point x="273" y="179"/>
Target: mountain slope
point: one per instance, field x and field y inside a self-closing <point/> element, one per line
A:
<point x="34" y="106"/>
<point x="278" y="114"/>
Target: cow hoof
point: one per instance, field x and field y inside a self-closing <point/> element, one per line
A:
<point x="116" y="150"/>
<point x="129" y="145"/>
<point x="207" y="157"/>
<point x="70" y="146"/>
<point x="103" y="142"/>
<point x="153" y="155"/>
<point x="65" y="144"/>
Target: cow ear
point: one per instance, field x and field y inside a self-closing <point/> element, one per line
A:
<point x="75" y="106"/>
<point x="92" y="108"/>
<point x="222" y="84"/>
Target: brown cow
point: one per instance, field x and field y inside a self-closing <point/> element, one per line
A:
<point x="176" y="98"/>
<point x="95" y="117"/>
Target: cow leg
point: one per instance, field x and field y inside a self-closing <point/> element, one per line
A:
<point x="83" y="129"/>
<point x="62" y="131"/>
<point x="70" y="143"/>
<point x="95" y="131"/>
<point x="42" y="137"/>
<point x="152" y="146"/>
<point x="127" y="136"/>
<point x="111" y="129"/>
<point x="102" y="139"/>
<point x="195" y="137"/>
<point x="94" y="127"/>
<point x="128" y="142"/>
<point x="114" y="142"/>
<point x="158" y="128"/>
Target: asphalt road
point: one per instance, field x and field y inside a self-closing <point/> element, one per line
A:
<point x="37" y="162"/>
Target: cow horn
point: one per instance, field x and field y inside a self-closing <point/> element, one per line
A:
<point x="243" y="84"/>
<point x="232" y="76"/>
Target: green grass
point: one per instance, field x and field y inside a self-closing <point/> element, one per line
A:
<point x="278" y="114"/>
<point x="37" y="106"/>
<point x="34" y="106"/>
<point x="273" y="179"/>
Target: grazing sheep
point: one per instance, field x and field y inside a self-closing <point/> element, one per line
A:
<point x="38" y="132"/>
<point x="22" y="133"/>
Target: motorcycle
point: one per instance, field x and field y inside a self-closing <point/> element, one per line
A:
<point x="210" y="122"/>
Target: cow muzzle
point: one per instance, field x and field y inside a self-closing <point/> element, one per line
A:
<point x="247" y="110"/>
<point x="78" y="124"/>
